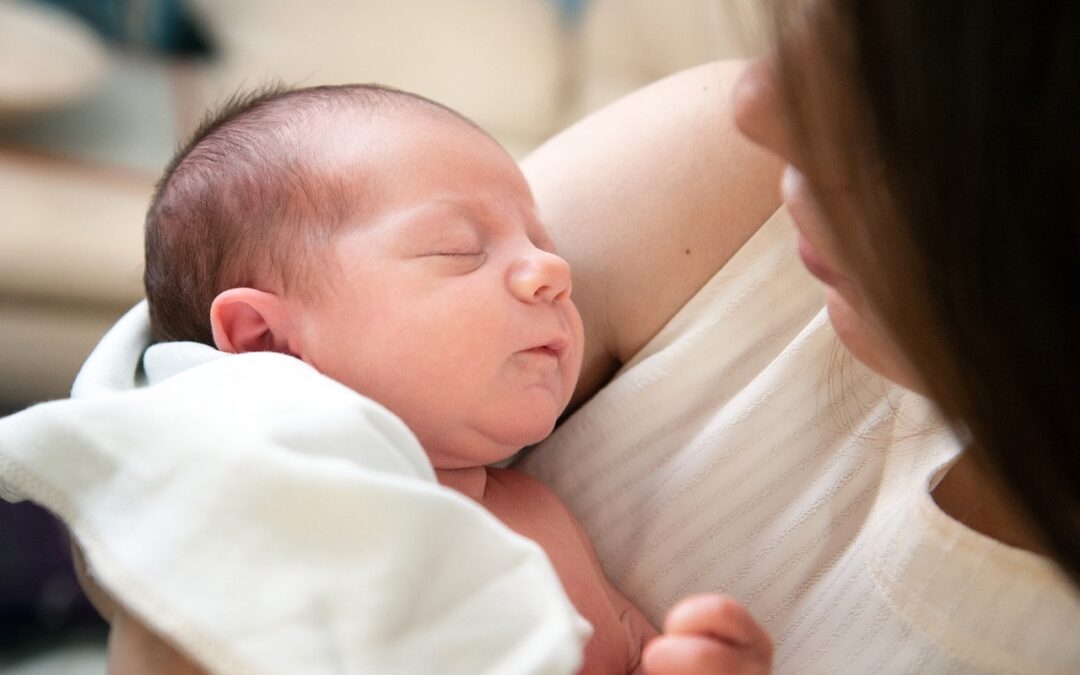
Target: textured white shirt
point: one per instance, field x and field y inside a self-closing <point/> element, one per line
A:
<point x="744" y="451"/>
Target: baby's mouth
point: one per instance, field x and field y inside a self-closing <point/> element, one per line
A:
<point x="554" y="347"/>
<point x="544" y="350"/>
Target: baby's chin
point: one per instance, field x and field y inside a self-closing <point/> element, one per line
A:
<point x="526" y="430"/>
<point x="481" y="447"/>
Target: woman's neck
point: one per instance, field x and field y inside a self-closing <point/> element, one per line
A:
<point x="978" y="501"/>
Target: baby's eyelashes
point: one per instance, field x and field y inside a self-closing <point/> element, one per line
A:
<point x="458" y="254"/>
<point x="455" y="261"/>
<point x="451" y="247"/>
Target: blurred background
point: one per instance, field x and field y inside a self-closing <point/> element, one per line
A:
<point x="96" y="94"/>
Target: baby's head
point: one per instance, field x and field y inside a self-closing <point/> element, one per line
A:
<point x="383" y="239"/>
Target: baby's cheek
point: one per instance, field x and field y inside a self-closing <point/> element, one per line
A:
<point x="571" y="372"/>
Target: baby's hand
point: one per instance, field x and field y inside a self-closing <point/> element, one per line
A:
<point x="709" y="634"/>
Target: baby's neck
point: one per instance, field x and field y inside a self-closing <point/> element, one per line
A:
<point x="470" y="481"/>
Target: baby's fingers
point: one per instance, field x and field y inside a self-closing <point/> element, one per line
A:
<point x="699" y="655"/>
<point x="720" y="617"/>
<point x="709" y="634"/>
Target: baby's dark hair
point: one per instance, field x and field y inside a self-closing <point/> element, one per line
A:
<point x="246" y="201"/>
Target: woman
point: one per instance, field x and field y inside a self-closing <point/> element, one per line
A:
<point x="931" y="173"/>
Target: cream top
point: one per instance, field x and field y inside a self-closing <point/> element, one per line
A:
<point x="743" y="451"/>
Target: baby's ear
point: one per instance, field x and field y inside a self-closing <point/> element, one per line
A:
<point x="249" y="320"/>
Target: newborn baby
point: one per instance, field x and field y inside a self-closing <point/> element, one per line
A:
<point x="395" y="247"/>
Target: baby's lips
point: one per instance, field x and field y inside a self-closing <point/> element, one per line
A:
<point x="555" y="346"/>
<point x="558" y="345"/>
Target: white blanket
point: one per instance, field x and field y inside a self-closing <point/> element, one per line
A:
<point x="267" y="519"/>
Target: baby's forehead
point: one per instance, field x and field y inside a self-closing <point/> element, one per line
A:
<point x="353" y="143"/>
<point x="358" y="119"/>
<point x="420" y="168"/>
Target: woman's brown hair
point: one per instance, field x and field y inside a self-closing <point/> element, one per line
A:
<point x="957" y="125"/>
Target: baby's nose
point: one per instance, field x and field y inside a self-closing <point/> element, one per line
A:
<point x="540" y="277"/>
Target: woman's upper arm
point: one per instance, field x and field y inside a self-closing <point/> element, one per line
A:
<point x="646" y="199"/>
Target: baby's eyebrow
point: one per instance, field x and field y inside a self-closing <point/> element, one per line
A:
<point x="421" y="217"/>
<point x="447" y="212"/>
<point x="431" y="223"/>
<point x="473" y="213"/>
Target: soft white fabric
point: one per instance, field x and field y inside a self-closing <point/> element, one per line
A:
<point x="742" y="451"/>
<point x="267" y="519"/>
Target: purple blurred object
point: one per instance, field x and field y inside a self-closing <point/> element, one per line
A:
<point x="40" y="598"/>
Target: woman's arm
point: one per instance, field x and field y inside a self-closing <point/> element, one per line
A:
<point x="646" y="199"/>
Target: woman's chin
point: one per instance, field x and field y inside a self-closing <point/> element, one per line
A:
<point x="867" y="342"/>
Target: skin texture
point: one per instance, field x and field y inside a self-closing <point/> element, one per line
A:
<point x="528" y="507"/>
<point x="135" y="650"/>
<point x="709" y="634"/>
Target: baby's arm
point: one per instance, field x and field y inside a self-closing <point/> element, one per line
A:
<point x="706" y="634"/>
<point x="641" y="631"/>
<point x="637" y="627"/>
<point x="133" y="648"/>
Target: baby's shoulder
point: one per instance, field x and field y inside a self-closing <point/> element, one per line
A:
<point x="515" y="496"/>
<point x="512" y="482"/>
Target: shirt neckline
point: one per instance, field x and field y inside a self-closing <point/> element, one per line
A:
<point x="994" y="606"/>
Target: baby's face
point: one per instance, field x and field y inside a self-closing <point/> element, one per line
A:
<point x="448" y="304"/>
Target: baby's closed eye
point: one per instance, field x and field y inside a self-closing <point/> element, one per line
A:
<point x="456" y="254"/>
<point x="454" y="259"/>
<point x="452" y="242"/>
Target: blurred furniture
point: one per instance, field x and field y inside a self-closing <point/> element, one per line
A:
<point x="76" y="175"/>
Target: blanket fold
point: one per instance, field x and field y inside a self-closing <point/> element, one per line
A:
<point x="267" y="519"/>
